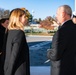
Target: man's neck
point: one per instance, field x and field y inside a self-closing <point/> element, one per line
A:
<point x="65" y="21"/>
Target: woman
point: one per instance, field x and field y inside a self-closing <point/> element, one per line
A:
<point x="17" y="51"/>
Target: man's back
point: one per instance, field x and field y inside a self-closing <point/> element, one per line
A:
<point x="67" y="34"/>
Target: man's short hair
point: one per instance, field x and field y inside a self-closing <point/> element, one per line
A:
<point x="3" y="20"/>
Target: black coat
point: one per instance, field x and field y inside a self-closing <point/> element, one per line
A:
<point x="17" y="54"/>
<point x="64" y="49"/>
<point x="2" y="33"/>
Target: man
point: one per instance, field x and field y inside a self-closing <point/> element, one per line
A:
<point x="63" y="51"/>
<point x="74" y="17"/>
<point x="3" y="26"/>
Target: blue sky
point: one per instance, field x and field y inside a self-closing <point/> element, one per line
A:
<point x="39" y="8"/>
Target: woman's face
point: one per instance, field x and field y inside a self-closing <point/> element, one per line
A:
<point x="24" y="19"/>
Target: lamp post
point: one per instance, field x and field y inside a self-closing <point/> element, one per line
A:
<point x="32" y="20"/>
<point x="33" y="13"/>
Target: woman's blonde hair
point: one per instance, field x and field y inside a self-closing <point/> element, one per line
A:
<point x="14" y="19"/>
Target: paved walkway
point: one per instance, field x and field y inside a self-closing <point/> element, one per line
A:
<point x="39" y="70"/>
<point x="33" y="38"/>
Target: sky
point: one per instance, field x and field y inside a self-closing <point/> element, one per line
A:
<point x="38" y="8"/>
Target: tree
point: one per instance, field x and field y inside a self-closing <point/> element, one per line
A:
<point x="39" y="19"/>
<point x="1" y="12"/>
<point x="48" y="23"/>
<point x="30" y="18"/>
<point x="6" y="13"/>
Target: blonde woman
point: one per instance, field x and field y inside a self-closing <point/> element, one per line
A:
<point x="17" y="51"/>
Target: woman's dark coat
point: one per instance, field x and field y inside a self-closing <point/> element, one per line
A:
<point x="17" y="54"/>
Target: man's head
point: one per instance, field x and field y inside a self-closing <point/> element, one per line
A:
<point x="4" y="22"/>
<point x="64" y="13"/>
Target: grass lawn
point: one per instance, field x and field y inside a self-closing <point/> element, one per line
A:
<point x="41" y="34"/>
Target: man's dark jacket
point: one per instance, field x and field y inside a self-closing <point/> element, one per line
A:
<point x="63" y="52"/>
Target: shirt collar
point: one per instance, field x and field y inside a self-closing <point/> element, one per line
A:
<point x="64" y="22"/>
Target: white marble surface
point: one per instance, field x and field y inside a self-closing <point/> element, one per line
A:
<point x="40" y="70"/>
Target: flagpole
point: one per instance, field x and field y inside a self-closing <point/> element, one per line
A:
<point x="75" y="5"/>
